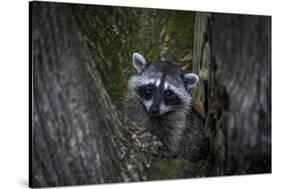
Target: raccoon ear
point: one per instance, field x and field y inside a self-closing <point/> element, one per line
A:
<point x="190" y="80"/>
<point x="139" y="62"/>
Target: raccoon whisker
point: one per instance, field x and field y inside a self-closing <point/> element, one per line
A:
<point x="177" y="107"/>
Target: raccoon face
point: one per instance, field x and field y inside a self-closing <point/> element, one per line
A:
<point x="161" y="86"/>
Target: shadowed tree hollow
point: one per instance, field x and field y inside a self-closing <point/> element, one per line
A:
<point x="80" y="65"/>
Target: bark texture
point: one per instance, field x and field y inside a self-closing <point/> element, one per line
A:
<point x="78" y="134"/>
<point x="232" y="54"/>
<point x="81" y="62"/>
<point x="81" y="58"/>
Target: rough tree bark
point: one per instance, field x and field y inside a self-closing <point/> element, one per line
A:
<point x="80" y="66"/>
<point x="232" y="54"/>
<point x="78" y="134"/>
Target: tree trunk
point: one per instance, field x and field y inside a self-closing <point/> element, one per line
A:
<point x="81" y="62"/>
<point x="78" y="134"/>
<point x="232" y="54"/>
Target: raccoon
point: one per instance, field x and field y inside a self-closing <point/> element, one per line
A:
<point x="159" y="100"/>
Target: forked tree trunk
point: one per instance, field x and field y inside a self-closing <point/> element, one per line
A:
<point x="78" y="135"/>
<point x="233" y="58"/>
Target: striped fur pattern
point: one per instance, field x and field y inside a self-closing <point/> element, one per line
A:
<point x="159" y="100"/>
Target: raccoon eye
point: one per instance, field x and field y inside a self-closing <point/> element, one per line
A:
<point x="150" y="89"/>
<point x="169" y="94"/>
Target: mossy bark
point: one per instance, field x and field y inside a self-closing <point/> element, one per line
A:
<point x="81" y="60"/>
<point x="78" y="135"/>
<point x="113" y="34"/>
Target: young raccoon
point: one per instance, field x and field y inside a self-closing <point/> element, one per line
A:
<point x="159" y="99"/>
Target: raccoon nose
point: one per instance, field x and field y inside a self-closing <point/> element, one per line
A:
<point x="154" y="110"/>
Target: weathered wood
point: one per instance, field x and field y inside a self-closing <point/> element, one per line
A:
<point x="233" y="57"/>
<point x="93" y="45"/>
<point x="80" y="54"/>
<point x="78" y="134"/>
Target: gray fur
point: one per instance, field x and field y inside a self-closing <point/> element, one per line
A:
<point x="180" y="129"/>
